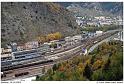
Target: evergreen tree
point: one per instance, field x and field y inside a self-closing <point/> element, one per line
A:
<point x="55" y="67"/>
<point x="87" y="71"/>
<point x="106" y="66"/>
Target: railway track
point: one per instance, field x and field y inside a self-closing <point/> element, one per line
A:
<point x="65" y="55"/>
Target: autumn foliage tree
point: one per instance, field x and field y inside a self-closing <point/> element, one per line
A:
<point x="97" y="66"/>
<point x="49" y="37"/>
<point x="41" y="39"/>
<point x="58" y="35"/>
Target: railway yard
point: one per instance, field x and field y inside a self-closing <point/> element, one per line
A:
<point x="33" y="66"/>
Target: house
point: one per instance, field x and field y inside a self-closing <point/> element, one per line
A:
<point x="76" y="38"/>
<point x="99" y="33"/>
<point x="91" y="34"/>
<point x="105" y="23"/>
<point x="100" y="18"/>
<point x="21" y="47"/>
<point x="31" y="45"/>
<point x="6" y="50"/>
<point x="5" y="57"/>
<point x="79" y="22"/>
<point x="68" y="39"/>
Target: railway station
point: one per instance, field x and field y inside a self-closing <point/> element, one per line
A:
<point x="39" y="56"/>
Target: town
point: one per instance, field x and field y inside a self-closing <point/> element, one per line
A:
<point x="45" y="48"/>
<point x="84" y="21"/>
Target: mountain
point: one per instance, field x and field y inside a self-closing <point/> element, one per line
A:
<point x="114" y="8"/>
<point x="25" y="21"/>
<point x="95" y="8"/>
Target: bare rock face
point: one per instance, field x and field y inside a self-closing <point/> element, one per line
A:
<point x="25" y="21"/>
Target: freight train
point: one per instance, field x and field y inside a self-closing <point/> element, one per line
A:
<point x="20" y="65"/>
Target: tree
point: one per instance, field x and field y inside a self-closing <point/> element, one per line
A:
<point x="92" y="59"/>
<point x="92" y="67"/>
<point x="61" y="68"/>
<point x="50" y="72"/>
<point x="106" y="65"/>
<point x="55" y="77"/>
<point x="80" y="68"/>
<point x="50" y="37"/>
<point x="41" y="39"/>
<point x="87" y="71"/>
<point x="55" y="67"/>
<point x="43" y="70"/>
<point x="58" y="35"/>
<point x="53" y="45"/>
<point x="37" y="78"/>
<point x="97" y="64"/>
<point x="62" y="76"/>
<point x="97" y="75"/>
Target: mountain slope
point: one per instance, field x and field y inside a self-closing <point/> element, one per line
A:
<point x="95" y="8"/>
<point x="26" y="21"/>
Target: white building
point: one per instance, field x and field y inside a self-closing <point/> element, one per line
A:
<point x="100" y="18"/>
<point x="21" y="47"/>
<point x="99" y="33"/>
<point x="76" y="38"/>
<point x="6" y="50"/>
<point x="68" y="39"/>
<point x="120" y="22"/>
<point x="53" y="41"/>
<point x="79" y="22"/>
<point x="92" y="23"/>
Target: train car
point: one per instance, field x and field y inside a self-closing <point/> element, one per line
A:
<point x="6" y="63"/>
<point x="21" y="74"/>
<point x="20" y="65"/>
<point x="25" y="54"/>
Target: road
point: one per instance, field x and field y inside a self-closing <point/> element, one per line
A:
<point x="65" y="55"/>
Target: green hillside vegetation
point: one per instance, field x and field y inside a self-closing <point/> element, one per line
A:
<point x="105" y="63"/>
